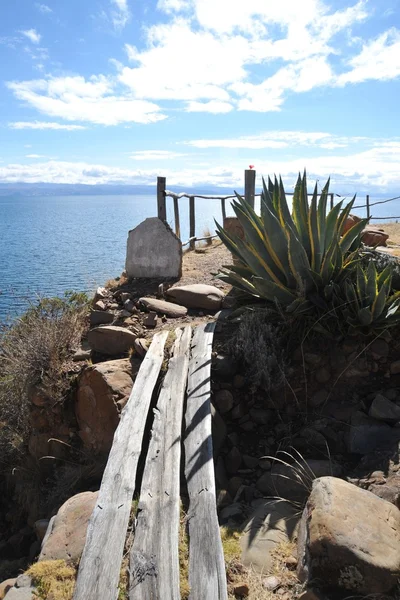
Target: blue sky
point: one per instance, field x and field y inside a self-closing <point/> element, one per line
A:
<point x="120" y="91"/>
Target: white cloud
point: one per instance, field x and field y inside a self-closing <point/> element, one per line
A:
<point x="43" y="125"/>
<point x="213" y="106"/>
<point x="35" y="156"/>
<point x="379" y="59"/>
<point x="78" y="99"/>
<point x="282" y="139"/>
<point x="156" y="155"/>
<point x="120" y="15"/>
<point x="43" y="8"/>
<point x="170" y="6"/>
<point x="32" y="35"/>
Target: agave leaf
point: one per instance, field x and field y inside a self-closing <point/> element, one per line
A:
<point x="299" y="263"/>
<point x="379" y="303"/>
<point x="237" y="281"/>
<point x="300" y="211"/>
<point x="273" y="292"/>
<point x="361" y="283"/>
<point x="372" y="284"/>
<point x="345" y="213"/>
<point x="313" y="232"/>
<point x="322" y="215"/>
<point x="365" y="316"/>
<point x="331" y="229"/>
<point x="352" y="234"/>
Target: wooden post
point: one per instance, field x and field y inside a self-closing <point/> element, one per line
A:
<point x="249" y="186"/>
<point x="161" y="203"/>
<point x="368" y="209"/>
<point x="331" y="195"/>
<point x="192" y="222"/>
<point x="177" y="222"/>
<point x="223" y="210"/>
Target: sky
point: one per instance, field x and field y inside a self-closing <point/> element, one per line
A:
<point x="120" y="91"/>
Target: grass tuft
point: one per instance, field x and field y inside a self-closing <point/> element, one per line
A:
<point x="53" y="579"/>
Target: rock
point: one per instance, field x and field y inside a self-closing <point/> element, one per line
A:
<point x="99" y="305"/>
<point x="271" y="583"/>
<point x="129" y="306"/>
<point x="224" y="499"/>
<point x="82" y="355"/>
<point x="23" y="581"/>
<point x="395" y="367"/>
<point x="239" y="411"/>
<point x="367" y="434"/>
<point x="5" y="586"/>
<point x="233" y="460"/>
<point x="124" y="296"/>
<point x="235" y="483"/>
<point x="318" y="398"/>
<point x="260" y="416"/>
<point x="241" y="590"/>
<point x="111" y="340"/>
<point x="294" y="483"/>
<point x="350" y="222"/>
<point x="218" y="429"/>
<point x="151" y="320"/>
<point x="274" y="522"/>
<point x="239" y="381"/>
<point x="340" y="544"/>
<point x="21" y="594"/>
<point x="379" y="349"/>
<point x="141" y="347"/>
<point x="323" y="375"/>
<point x="250" y="461"/>
<point x="233" y="512"/>
<point x="153" y="251"/>
<point x="383" y="409"/>
<point x="374" y="237"/>
<point x="197" y="295"/>
<point x="40" y="527"/>
<point x="100" y="294"/>
<point x="224" y="366"/>
<point x="100" y="387"/>
<point x="164" y="308"/>
<point x="224" y="401"/>
<point x="100" y="317"/>
<point x="66" y="535"/>
<point x="265" y="463"/>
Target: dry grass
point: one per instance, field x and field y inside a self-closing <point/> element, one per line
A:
<point x="53" y="579"/>
<point x="117" y="282"/>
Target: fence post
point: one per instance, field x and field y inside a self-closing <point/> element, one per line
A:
<point x="331" y="195"/>
<point x="368" y="209"/>
<point x="249" y="186"/>
<point x="192" y="223"/>
<point x="161" y="202"/>
<point x="177" y="221"/>
<point x="223" y="210"/>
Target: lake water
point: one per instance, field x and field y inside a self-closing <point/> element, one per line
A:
<point x="51" y="244"/>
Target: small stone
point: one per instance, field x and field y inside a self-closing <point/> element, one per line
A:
<point x="379" y="349"/>
<point x="224" y="366"/>
<point x="151" y="320"/>
<point x="224" y="401"/>
<point x="248" y="426"/>
<point x="265" y="463"/>
<point x="234" y="511"/>
<point x="323" y="375"/>
<point x="271" y="583"/>
<point x="224" y="499"/>
<point x="129" y="305"/>
<point x="99" y="305"/>
<point x="260" y="416"/>
<point x="384" y="410"/>
<point x="100" y="317"/>
<point x="233" y="460"/>
<point x="312" y="359"/>
<point x="124" y="297"/>
<point x="81" y="355"/>
<point x="23" y="581"/>
<point x="114" y="306"/>
<point x="234" y="485"/>
<point x="291" y="562"/>
<point x="141" y="346"/>
<point x="238" y="411"/>
<point x="395" y="367"/>
<point x="239" y="381"/>
<point x="241" y="590"/>
<point x="100" y="294"/>
<point x="233" y="438"/>
<point x="250" y="461"/>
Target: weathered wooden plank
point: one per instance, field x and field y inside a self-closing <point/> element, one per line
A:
<point x="177" y="220"/>
<point x="161" y="201"/>
<point x="100" y="565"/>
<point x="192" y="223"/>
<point x="249" y="186"/>
<point x="207" y="576"/>
<point x="154" y="560"/>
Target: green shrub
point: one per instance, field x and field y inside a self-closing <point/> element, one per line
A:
<point x="292" y="258"/>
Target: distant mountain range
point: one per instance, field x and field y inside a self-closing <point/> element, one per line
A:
<point x="77" y="189"/>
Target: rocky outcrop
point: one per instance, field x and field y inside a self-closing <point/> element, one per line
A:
<point x="111" y="340"/>
<point x="103" y="390"/>
<point x="197" y="295"/>
<point x="66" y="534"/>
<point x="349" y="539"/>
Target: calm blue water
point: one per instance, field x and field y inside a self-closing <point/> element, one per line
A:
<point x="52" y="244"/>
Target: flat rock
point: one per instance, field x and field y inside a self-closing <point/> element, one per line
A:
<point x="349" y="539"/>
<point x="273" y="522"/>
<point x="100" y="388"/>
<point x="197" y="295"/>
<point x="21" y="594"/>
<point x="367" y="434"/>
<point x="223" y="400"/>
<point x="5" y="586"/>
<point x="111" y="340"/>
<point x="153" y="251"/>
<point x="383" y="409"/>
<point x="100" y="317"/>
<point x="164" y="308"/>
<point x="66" y="535"/>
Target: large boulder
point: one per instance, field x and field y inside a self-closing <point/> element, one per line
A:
<point x="111" y="340"/>
<point x="374" y="237"/>
<point x="103" y="390"/>
<point x="349" y="539"/>
<point x="197" y="295"/>
<point x="164" y="308"/>
<point x="153" y="251"/>
<point x="66" y="535"/>
<point x="274" y="522"/>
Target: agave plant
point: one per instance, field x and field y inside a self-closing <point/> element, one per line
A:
<point x="369" y="301"/>
<point x="291" y="257"/>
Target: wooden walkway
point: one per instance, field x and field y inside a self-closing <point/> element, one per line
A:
<point x="154" y="558"/>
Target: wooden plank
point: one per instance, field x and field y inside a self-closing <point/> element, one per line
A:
<point x="192" y="223"/>
<point x="161" y="201"/>
<point x="176" y="214"/>
<point x="207" y="576"/>
<point x="154" y="560"/>
<point x="100" y="565"/>
<point x="332" y="202"/>
<point x="249" y="186"/>
<point x="368" y="207"/>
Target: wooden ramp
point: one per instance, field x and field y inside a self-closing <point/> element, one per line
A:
<point x="154" y="559"/>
